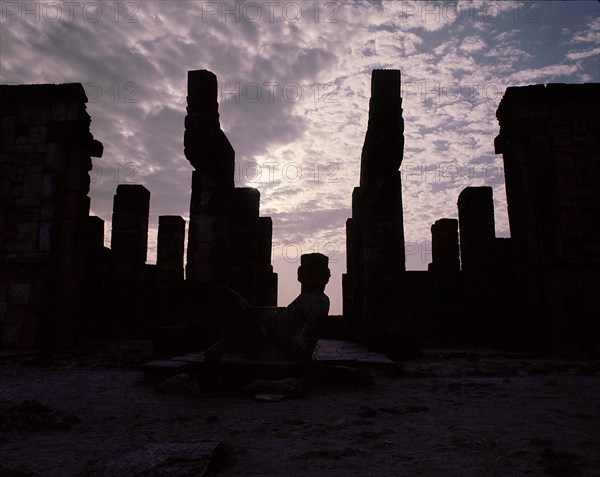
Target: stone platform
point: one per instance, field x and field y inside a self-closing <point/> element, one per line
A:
<point x="334" y="355"/>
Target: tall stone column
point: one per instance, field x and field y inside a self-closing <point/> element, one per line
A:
<point x="377" y="231"/>
<point x="244" y="240"/>
<point x="169" y="254"/>
<point x="266" y="281"/>
<point x="129" y="244"/>
<point x="477" y="229"/>
<point x="212" y="156"/>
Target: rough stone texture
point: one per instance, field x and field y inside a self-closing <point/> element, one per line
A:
<point x="549" y="143"/>
<point x="375" y="235"/>
<point x="44" y="163"/>
<point x="162" y="459"/>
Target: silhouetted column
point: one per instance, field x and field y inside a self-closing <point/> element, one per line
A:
<point x="378" y="235"/>
<point x="129" y="239"/>
<point x="243" y="229"/>
<point x="444" y="245"/>
<point x="477" y="230"/>
<point x="129" y="243"/>
<point x="210" y="153"/>
<point x="266" y="284"/>
<point x="169" y="255"/>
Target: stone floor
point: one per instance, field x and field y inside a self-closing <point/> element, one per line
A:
<point x="327" y="352"/>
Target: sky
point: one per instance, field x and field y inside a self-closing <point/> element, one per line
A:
<point x="294" y="87"/>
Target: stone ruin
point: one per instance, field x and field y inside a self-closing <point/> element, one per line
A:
<point x="45" y="151"/>
<point x="58" y="282"/>
<point x="539" y="288"/>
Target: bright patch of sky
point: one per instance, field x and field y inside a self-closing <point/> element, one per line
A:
<point x="294" y="94"/>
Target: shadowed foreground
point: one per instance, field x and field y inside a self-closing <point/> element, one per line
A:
<point x="451" y="413"/>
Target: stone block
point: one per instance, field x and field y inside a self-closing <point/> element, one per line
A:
<point x="74" y="111"/>
<point x="32" y="185"/>
<point x="7" y="121"/>
<point x="16" y="173"/>
<point x="27" y="236"/>
<point x="40" y="115"/>
<point x="19" y="293"/>
<point x="12" y="335"/>
<point x="5" y="187"/>
<point x="45" y="240"/>
<point x="28" y="201"/>
<point x="59" y="112"/>
<point x="203" y="226"/>
<point x="22" y="139"/>
<point x="49" y="183"/>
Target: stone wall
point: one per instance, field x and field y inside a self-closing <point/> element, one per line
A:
<point x="45" y="149"/>
<point x="549" y="143"/>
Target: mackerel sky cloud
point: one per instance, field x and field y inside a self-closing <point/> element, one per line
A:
<point x="294" y="94"/>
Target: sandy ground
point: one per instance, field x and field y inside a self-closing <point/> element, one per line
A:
<point x="454" y="412"/>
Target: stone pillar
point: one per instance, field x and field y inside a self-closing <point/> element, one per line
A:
<point x="549" y="143"/>
<point x="169" y="256"/>
<point x="444" y="245"/>
<point x="378" y="237"/>
<point x="45" y="150"/>
<point x="243" y="251"/>
<point x="210" y="153"/>
<point x="226" y="239"/>
<point x="129" y="243"/>
<point x="477" y="230"/>
<point x="266" y="284"/>
<point x="129" y="239"/>
<point x="96" y="281"/>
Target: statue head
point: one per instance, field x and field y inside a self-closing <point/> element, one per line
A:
<point x="313" y="272"/>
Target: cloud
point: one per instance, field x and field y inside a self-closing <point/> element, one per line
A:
<point x="579" y="55"/>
